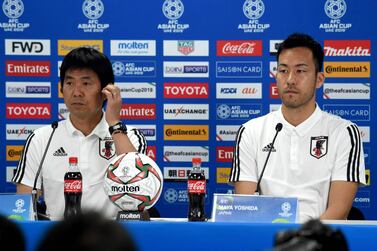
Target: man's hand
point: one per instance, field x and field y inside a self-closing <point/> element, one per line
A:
<point x="114" y="104"/>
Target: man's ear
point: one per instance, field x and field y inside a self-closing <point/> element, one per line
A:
<point x="320" y="79"/>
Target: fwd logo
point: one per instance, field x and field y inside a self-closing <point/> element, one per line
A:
<point x="27" y="47"/>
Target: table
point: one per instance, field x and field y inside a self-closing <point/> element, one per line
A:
<point x="164" y="235"/>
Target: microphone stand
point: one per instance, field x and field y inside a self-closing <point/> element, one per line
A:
<point x="278" y="128"/>
<point x="34" y="191"/>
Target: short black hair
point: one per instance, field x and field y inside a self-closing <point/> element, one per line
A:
<point x="303" y="40"/>
<point x="88" y="58"/>
<point x="89" y="231"/>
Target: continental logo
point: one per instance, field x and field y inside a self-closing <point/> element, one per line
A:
<point x="65" y="46"/>
<point x="186" y="132"/>
<point x="222" y="174"/>
<point x="347" y="69"/>
<point x="14" y="153"/>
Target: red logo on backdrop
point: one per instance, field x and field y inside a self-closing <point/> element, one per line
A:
<point x="347" y="48"/>
<point x="138" y="111"/>
<point x="28" y="68"/>
<point x="224" y="153"/>
<point x="239" y="48"/>
<point x="274" y="91"/>
<point x="185" y="90"/>
<point x="196" y="186"/>
<point x="151" y="152"/>
<point x="28" y="111"/>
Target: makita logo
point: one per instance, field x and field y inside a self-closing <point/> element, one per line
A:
<point x="239" y="48"/>
<point x="125" y="189"/>
<point x="28" y="68"/>
<point x="28" y="111"/>
<point x="185" y="90"/>
<point x="138" y="111"/>
<point x="27" y="47"/>
<point x="347" y="48"/>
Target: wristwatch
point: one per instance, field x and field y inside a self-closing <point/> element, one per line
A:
<point x="118" y="127"/>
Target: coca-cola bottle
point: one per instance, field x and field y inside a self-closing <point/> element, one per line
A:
<point x="72" y="189"/>
<point x="196" y="188"/>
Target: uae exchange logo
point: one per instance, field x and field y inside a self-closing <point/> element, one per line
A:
<point x="172" y="9"/>
<point x="253" y="9"/>
<point x="13" y="8"/>
<point x="335" y="9"/>
<point x="93" y="9"/>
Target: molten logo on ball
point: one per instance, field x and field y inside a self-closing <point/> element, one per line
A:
<point x="133" y="182"/>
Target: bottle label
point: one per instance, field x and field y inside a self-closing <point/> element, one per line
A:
<point x="196" y="186"/>
<point x="72" y="186"/>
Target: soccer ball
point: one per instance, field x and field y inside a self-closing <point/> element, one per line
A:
<point x="133" y="182"/>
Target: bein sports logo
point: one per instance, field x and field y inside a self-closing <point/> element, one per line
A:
<point x="13" y="8"/>
<point x="335" y="9"/>
<point x="93" y="9"/>
<point x="173" y="9"/>
<point x="253" y="9"/>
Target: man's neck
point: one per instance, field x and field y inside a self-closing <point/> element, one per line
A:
<point x="86" y="125"/>
<point x="295" y="116"/>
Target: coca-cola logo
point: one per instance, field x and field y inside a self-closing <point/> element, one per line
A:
<point x="196" y="186"/>
<point x="239" y="48"/>
<point x="73" y="186"/>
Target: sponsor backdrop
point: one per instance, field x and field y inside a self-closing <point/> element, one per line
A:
<point x="190" y="71"/>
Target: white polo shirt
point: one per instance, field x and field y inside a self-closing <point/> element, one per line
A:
<point x="304" y="159"/>
<point x="94" y="153"/>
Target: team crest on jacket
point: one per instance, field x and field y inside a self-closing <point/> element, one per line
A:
<point x="106" y="148"/>
<point x="318" y="146"/>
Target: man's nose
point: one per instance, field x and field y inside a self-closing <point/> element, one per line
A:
<point x="77" y="90"/>
<point x="291" y="80"/>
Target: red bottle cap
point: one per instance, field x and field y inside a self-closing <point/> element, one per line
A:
<point x="196" y="161"/>
<point x="72" y="160"/>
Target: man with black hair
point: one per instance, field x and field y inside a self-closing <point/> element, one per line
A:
<point x="92" y="135"/>
<point x="87" y="232"/>
<point x="317" y="157"/>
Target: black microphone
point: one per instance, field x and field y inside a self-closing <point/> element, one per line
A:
<point x="54" y="125"/>
<point x="278" y="128"/>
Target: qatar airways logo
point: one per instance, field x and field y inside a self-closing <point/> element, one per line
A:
<point x="28" y="111"/>
<point x="28" y="68"/>
<point x="347" y="48"/>
<point x="239" y="48"/>
<point x="138" y="111"/>
<point x="186" y="90"/>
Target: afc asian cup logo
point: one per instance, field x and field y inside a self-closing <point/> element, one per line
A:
<point x="13" y="8"/>
<point x="118" y="68"/>
<point x="253" y="9"/>
<point x="93" y="9"/>
<point x="20" y="203"/>
<point x="172" y="9"/>
<point x="285" y="208"/>
<point x="171" y="195"/>
<point x="223" y="111"/>
<point x="335" y="9"/>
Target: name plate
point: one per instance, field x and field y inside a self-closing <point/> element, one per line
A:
<point x="254" y="208"/>
<point x="16" y="206"/>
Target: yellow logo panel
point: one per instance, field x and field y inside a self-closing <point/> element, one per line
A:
<point x="347" y="69"/>
<point x="367" y="177"/>
<point x="222" y="174"/>
<point x="60" y="93"/>
<point x="186" y="132"/>
<point x="65" y="46"/>
<point x="14" y="152"/>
